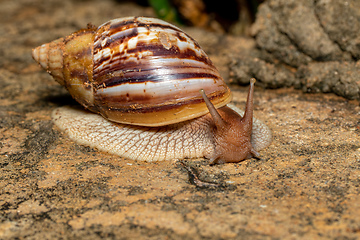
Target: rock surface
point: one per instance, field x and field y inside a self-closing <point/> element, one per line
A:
<point x="308" y="36"/>
<point x="305" y="186"/>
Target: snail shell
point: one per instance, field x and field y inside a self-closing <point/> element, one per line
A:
<point x="135" y="70"/>
<point x="144" y="75"/>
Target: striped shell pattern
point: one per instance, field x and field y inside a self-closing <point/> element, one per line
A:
<point x="135" y="70"/>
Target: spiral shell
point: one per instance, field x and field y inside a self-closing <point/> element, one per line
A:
<point x="135" y="70"/>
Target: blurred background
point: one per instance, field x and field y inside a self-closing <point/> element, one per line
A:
<point x="227" y="16"/>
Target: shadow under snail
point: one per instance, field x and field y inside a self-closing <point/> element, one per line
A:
<point x="146" y="79"/>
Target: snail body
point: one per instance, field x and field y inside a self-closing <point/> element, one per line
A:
<point x="144" y="76"/>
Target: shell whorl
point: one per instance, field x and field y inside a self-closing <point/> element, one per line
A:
<point x="50" y="57"/>
<point x="144" y="66"/>
<point x="69" y="61"/>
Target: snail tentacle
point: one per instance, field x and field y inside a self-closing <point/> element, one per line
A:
<point x="219" y="122"/>
<point x="248" y="115"/>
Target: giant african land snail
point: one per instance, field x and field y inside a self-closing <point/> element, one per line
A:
<point x="145" y="76"/>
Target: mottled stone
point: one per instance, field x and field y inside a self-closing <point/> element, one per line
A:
<point x="298" y="34"/>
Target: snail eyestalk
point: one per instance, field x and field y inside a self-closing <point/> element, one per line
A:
<point x="219" y="122"/>
<point x="248" y="115"/>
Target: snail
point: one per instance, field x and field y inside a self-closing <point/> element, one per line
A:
<point x="152" y="92"/>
